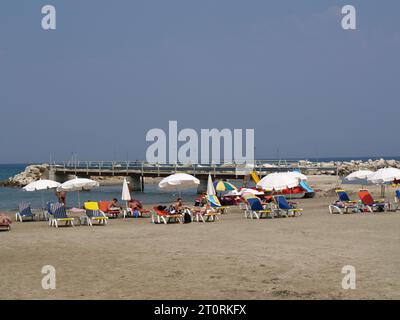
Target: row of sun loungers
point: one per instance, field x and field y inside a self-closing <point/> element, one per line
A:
<point x="366" y="203"/>
<point x="205" y="214"/>
<point x="280" y="207"/>
<point x="98" y="213"/>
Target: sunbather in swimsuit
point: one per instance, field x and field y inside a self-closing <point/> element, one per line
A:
<point x="114" y="205"/>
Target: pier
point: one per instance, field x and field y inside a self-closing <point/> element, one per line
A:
<point x="136" y="171"/>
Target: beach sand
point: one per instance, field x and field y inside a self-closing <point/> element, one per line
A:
<point x="235" y="258"/>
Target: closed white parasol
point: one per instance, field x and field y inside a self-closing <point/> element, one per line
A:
<point x="126" y="195"/>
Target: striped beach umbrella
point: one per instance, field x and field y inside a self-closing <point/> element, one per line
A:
<point x="211" y="196"/>
<point x="224" y="186"/>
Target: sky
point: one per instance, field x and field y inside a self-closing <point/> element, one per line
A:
<point x="113" y="70"/>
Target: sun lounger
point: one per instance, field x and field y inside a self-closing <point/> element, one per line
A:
<point x="165" y="216"/>
<point x="94" y="214"/>
<point x="5" y="223"/>
<point x="344" y="204"/>
<point x="60" y="215"/>
<point x="103" y="205"/>
<point x="370" y="204"/>
<point x="204" y="214"/>
<point x="343" y="196"/>
<point x="257" y="210"/>
<point x="129" y="212"/>
<point x="24" y="211"/>
<point x="397" y="200"/>
<point x="289" y="209"/>
<point x="214" y="203"/>
<point x="49" y="213"/>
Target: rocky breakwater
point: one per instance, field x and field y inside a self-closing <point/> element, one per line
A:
<point x="30" y="174"/>
<point x="346" y="167"/>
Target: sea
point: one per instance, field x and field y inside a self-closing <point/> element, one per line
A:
<point x="11" y="197"/>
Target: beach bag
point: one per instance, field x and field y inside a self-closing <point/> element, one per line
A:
<point x="187" y="218"/>
<point x="136" y="213"/>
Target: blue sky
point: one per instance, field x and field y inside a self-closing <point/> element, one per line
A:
<point x="115" y="69"/>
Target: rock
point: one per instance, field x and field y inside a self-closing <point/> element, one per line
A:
<point x="30" y="174"/>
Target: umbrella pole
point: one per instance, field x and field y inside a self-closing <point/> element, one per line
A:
<point x="79" y="200"/>
<point x="41" y="195"/>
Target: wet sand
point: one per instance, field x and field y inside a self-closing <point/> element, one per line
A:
<point x="235" y="258"/>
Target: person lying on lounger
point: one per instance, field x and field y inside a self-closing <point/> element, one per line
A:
<point x="4" y="220"/>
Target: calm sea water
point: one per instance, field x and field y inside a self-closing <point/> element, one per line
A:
<point x="10" y="197"/>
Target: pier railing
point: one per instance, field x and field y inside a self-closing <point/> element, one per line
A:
<point x="143" y="168"/>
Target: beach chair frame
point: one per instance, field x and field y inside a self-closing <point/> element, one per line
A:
<point x="256" y="210"/>
<point x="288" y="209"/>
<point x="344" y="204"/>
<point x="24" y="210"/>
<point x="368" y="203"/>
<point x="164" y="217"/>
<point x="95" y="216"/>
<point x="205" y="214"/>
<point x="60" y="215"/>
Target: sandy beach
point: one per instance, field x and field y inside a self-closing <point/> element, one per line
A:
<point x="235" y="258"/>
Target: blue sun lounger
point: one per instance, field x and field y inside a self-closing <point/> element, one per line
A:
<point x="286" y="207"/>
<point x="257" y="210"/>
<point x="59" y="215"/>
<point x="24" y="211"/>
<point x="344" y="204"/>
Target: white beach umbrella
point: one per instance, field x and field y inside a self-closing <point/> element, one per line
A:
<point x="252" y="191"/>
<point x="178" y="182"/>
<point x="78" y="184"/>
<point x="384" y="175"/>
<point x="359" y="175"/>
<point x="126" y="195"/>
<point x="41" y="185"/>
<point x="297" y="174"/>
<point x="279" y="181"/>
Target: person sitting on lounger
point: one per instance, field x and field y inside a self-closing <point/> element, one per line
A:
<point x="135" y="205"/>
<point x="201" y="201"/>
<point x="177" y="206"/>
<point x="114" y="205"/>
